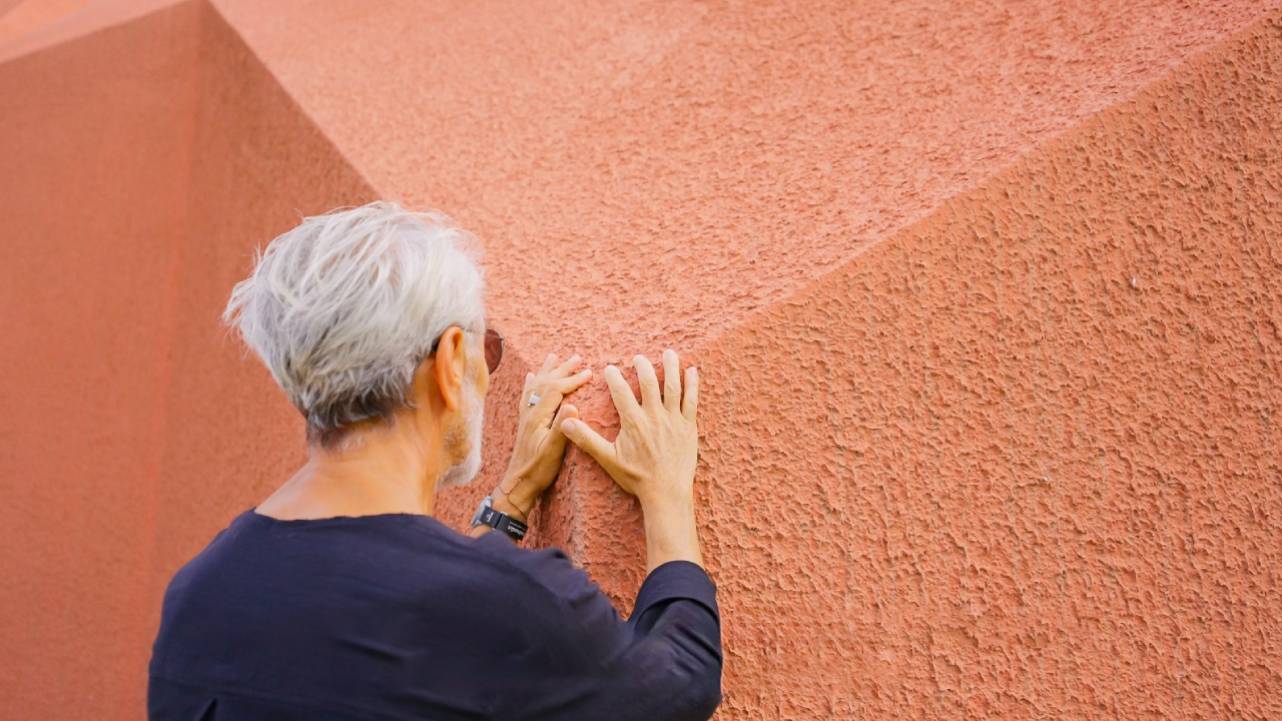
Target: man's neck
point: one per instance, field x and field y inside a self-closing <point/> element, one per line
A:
<point x="379" y="473"/>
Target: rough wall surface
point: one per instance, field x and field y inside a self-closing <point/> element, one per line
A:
<point x="748" y="147"/>
<point x="135" y="181"/>
<point x="986" y="302"/>
<point x="1040" y="430"/>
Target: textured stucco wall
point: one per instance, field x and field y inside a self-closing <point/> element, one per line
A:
<point x="750" y="147"/>
<point x="135" y="182"/>
<point x="985" y="300"/>
<point x="1022" y="460"/>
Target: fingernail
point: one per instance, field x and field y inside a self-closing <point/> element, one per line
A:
<point x="567" y="424"/>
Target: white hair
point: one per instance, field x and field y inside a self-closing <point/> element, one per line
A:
<point x="344" y="307"/>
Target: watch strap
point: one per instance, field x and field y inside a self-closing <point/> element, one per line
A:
<point x="499" y="520"/>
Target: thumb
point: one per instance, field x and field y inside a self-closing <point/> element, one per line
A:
<point x="583" y="436"/>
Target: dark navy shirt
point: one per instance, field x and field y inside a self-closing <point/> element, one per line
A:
<point x="398" y="616"/>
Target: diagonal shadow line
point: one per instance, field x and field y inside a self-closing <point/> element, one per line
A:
<point x="95" y="19"/>
<point x="1059" y="140"/>
<point x="598" y="398"/>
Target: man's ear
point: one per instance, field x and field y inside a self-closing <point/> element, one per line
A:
<point x="451" y="361"/>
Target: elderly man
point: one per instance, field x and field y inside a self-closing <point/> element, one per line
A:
<point x="341" y="596"/>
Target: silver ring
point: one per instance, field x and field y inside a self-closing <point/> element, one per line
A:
<point x="534" y="398"/>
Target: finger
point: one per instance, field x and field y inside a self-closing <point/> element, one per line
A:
<point x="541" y="412"/>
<point x="690" y="403"/>
<point x="671" y="381"/>
<point x="583" y="436"/>
<point x="552" y="392"/>
<point x="549" y="397"/>
<point x="568" y="365"/>
<point x="531" y="387"/>
<point x="556" y="436"/>
<point x="620" y="391"/>
<point x="548" y="363"/>
<point x="565" y="385"/>
<point x="648" y="380"/>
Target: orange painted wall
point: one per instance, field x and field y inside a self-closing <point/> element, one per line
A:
<point x="986" y="301"/>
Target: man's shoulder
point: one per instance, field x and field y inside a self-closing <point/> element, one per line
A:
<point x="396" y="563"/>
<point x="550" y="568"/>
<point x="532" y="564"/>
<point x="206" y="561"/>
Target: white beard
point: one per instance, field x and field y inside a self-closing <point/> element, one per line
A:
<point x="462" y="473"/>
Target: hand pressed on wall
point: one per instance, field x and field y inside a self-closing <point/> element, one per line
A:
<point x="540" y="442"/>
<point x="654" y="455"/>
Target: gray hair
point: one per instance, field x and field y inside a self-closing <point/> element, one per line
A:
<point x="344" y="307"/>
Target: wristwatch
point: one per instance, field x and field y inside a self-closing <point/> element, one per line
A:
<point x="487" y="514"/>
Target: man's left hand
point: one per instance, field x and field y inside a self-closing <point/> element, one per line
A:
<point x="540" y="444"/>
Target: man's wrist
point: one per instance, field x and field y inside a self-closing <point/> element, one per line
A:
<point x="512" y="496"/>
<point x="667" y="503"/>
<point x="500" y="503"/>
<point x="671" y="532"/>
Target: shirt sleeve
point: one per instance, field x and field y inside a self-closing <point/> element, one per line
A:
<point x="663" y="663"/>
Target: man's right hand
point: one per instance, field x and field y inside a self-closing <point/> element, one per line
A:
<point x="654" y="455"/>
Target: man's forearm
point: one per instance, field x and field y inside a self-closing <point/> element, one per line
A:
<point x="670" y="532"/>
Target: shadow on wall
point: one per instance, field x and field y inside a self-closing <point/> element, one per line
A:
<point x="143" y="164"/>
